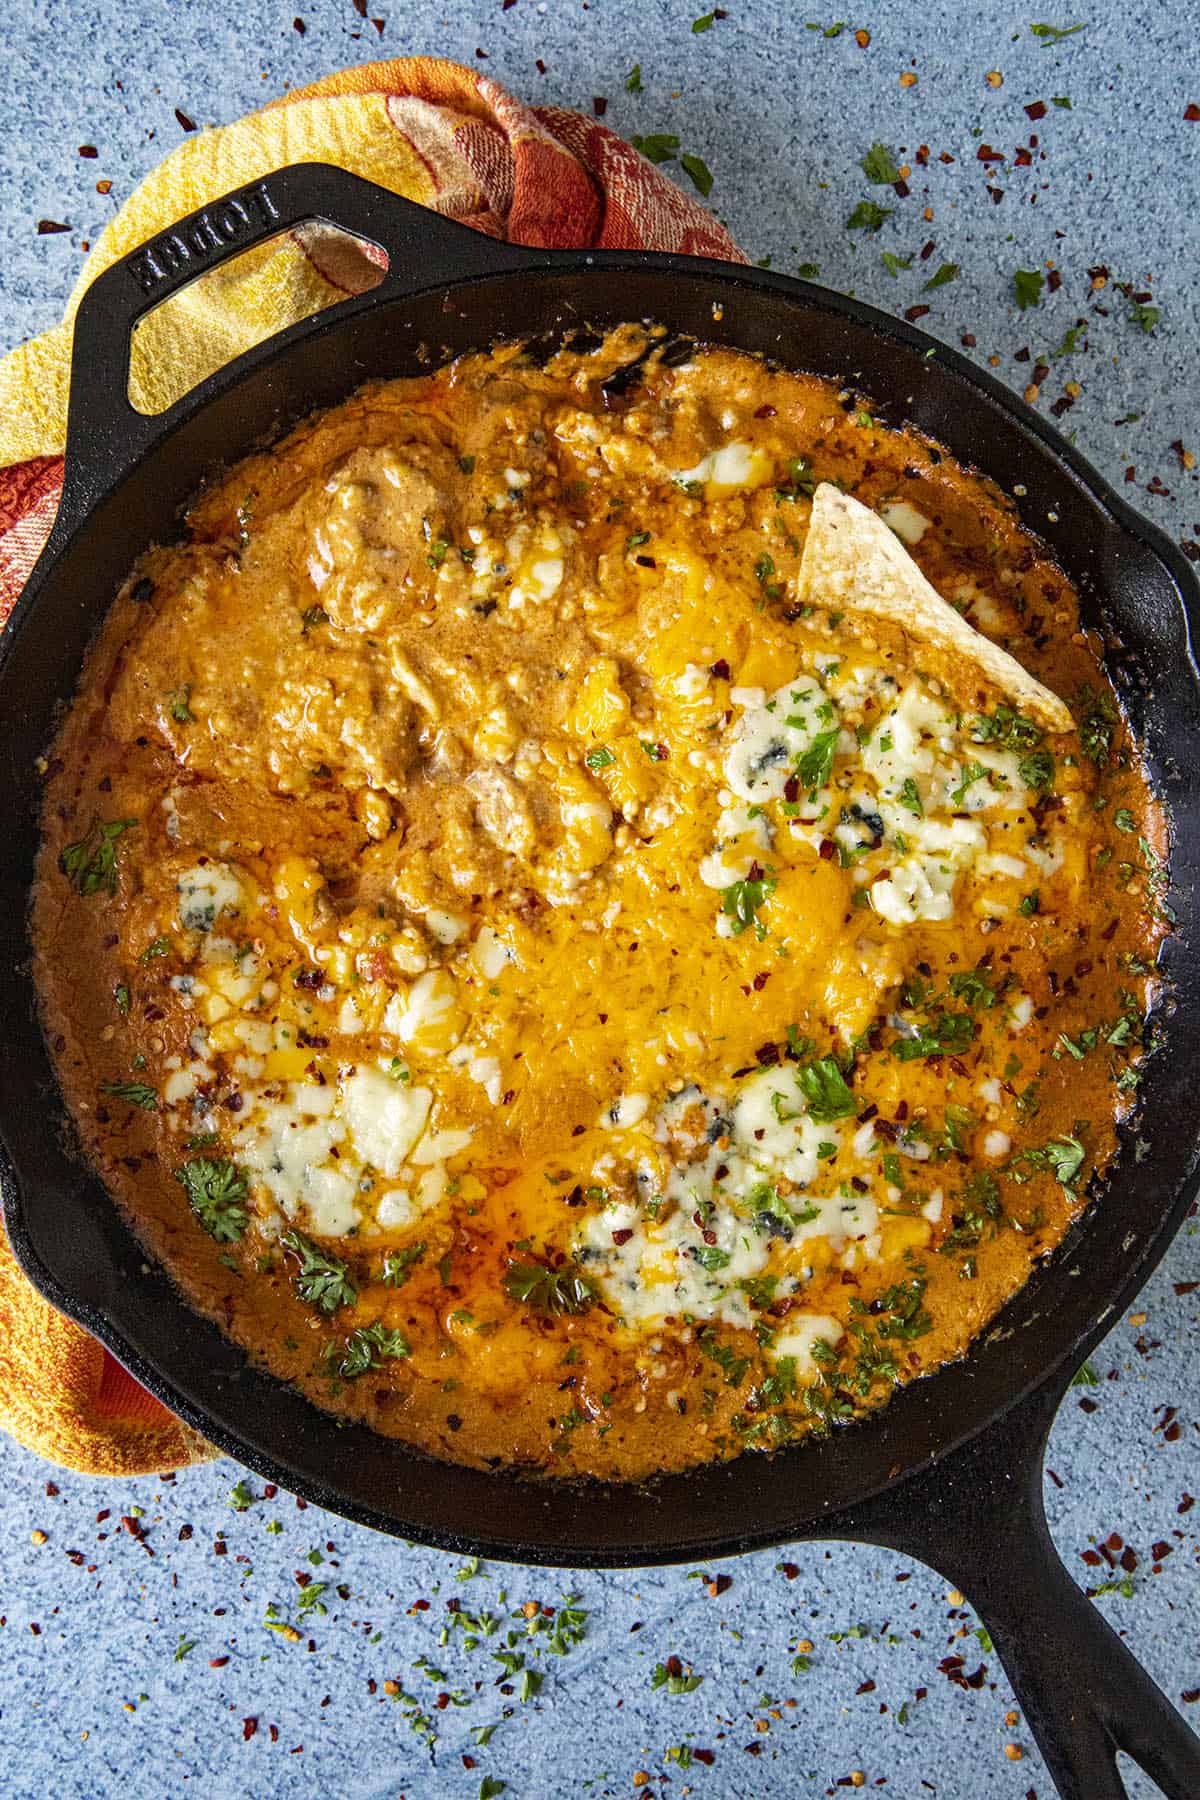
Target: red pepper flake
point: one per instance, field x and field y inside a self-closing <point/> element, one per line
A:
<point x="1054" y="281"/>
<point x="378" y="24"/>
<point x="1161" y="1549"/>
<point x="52" y="1491"/>
<point x="185" y="123"/>
<point x="926" y="251"/>
<point x="622" y="1237"/>
<point x="719" y="670"/>
<point x="299" y="26"/>
<point x="76" y="1557"/>
<point x="220" y="1548"/>
<point x="709" y="1757"/>
<point x="922" y="155"/>
<point x="274" y="1733"/>
<point x="539" y="65"/>
<point x="1190" y="1694"/>
<point x="1186" y="1503"/>
<point x="217" y="1662"/>
<point x="1192" y="113"/>
<point x="865" y="1687"/>
<point x="88" y="150"/>
<point x="250" y="1726"/>
<point x="913" y="313"/>
<point x="1036" y="109"/>
<point x="1088" y="1406"/>
<point x="789" y="1571"/>
<point x="985" y="154"/>
<point x="764" y="412"/>
<point x="481" y="54"/>
<point x="48" y="227"/>
<point x="599" y="105"/>
<point x="720" y="1584"/>
<point x="507" y="5"/>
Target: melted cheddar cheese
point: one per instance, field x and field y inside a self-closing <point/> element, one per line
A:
<point x="546" y="992"/>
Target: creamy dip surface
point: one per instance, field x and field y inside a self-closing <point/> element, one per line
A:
<point x="543" y="989"/>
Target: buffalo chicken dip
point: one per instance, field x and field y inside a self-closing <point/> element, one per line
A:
<point x="598" y="913"/>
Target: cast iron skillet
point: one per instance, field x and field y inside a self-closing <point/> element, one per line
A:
<point x="951" y="1472"/>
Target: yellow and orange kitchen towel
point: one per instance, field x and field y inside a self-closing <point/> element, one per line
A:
<point x="437" y="133"/>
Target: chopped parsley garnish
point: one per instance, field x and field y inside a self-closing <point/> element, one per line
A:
<point x="1030" y="903"/>
<point x="1027" y="287"/>
<point x="801" y="479"/>
<point x="633" y="81"/>
<point x="1007" y="728"/>
<point x="311" y="617"/>
<point x="160" y="946"/>
<point x="121" y="996"/>
<point x="868" y="217"/>
<point x="974" y="987"/>
<point x="1098" y="725"/>
<point x="1054" y="34"/>
<point x="366" y="1348"/>
<point x="323" y="1281"/>
<point x="904" y="1316"/>
<point x="826" y="1094"/>
<point x="698" y="173"/>
<point x="1063" y="1156"/>
<point x="91" y="864"/>
<point x="893" y="263"/>
<point x="764" y="569"/>
<point x="910" y="797"/>
<point x="726" y="1358"/>
<point x="712" y="1257"/>
<point x="815" y="765"/>
<point x="398" y="1264"/>
<point x="657" y="146"/>
<point x="1085" y="1376"/>
<point x="1124" y="820"/>
<point x="635" y="538"/>
<point x="878" y="165"/>
<point x="137" y="1093"/>
<point x="1145" y="316"/>
<point x="600" y="758"/>
<point x="550" y="1291"/>
<point x="971" y="773"/>
<point x="945" y="274"/>
<point x="672" y="1677"/>
<point x="177" y="705"/>
<point x="216" y="1192"/>
<point x="1036" y="769"/>
<point x="741" y="901"/>
<point x="436" y="555"/>
<point x="943" y="1036"/>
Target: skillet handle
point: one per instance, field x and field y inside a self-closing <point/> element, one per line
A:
<point x="978" y="1518"/>
<point x="106" y="437"/>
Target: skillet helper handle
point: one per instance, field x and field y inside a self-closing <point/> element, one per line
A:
<point x="978" y="1517"/>
<point x="106" y="436"/>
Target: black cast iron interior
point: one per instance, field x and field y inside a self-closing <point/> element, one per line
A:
<point x="951" y="1470"/>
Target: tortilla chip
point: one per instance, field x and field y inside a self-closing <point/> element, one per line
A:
<point x="853" y="562"/>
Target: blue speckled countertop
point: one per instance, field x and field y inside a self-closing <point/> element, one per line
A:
<point x="137" y="1662"/>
